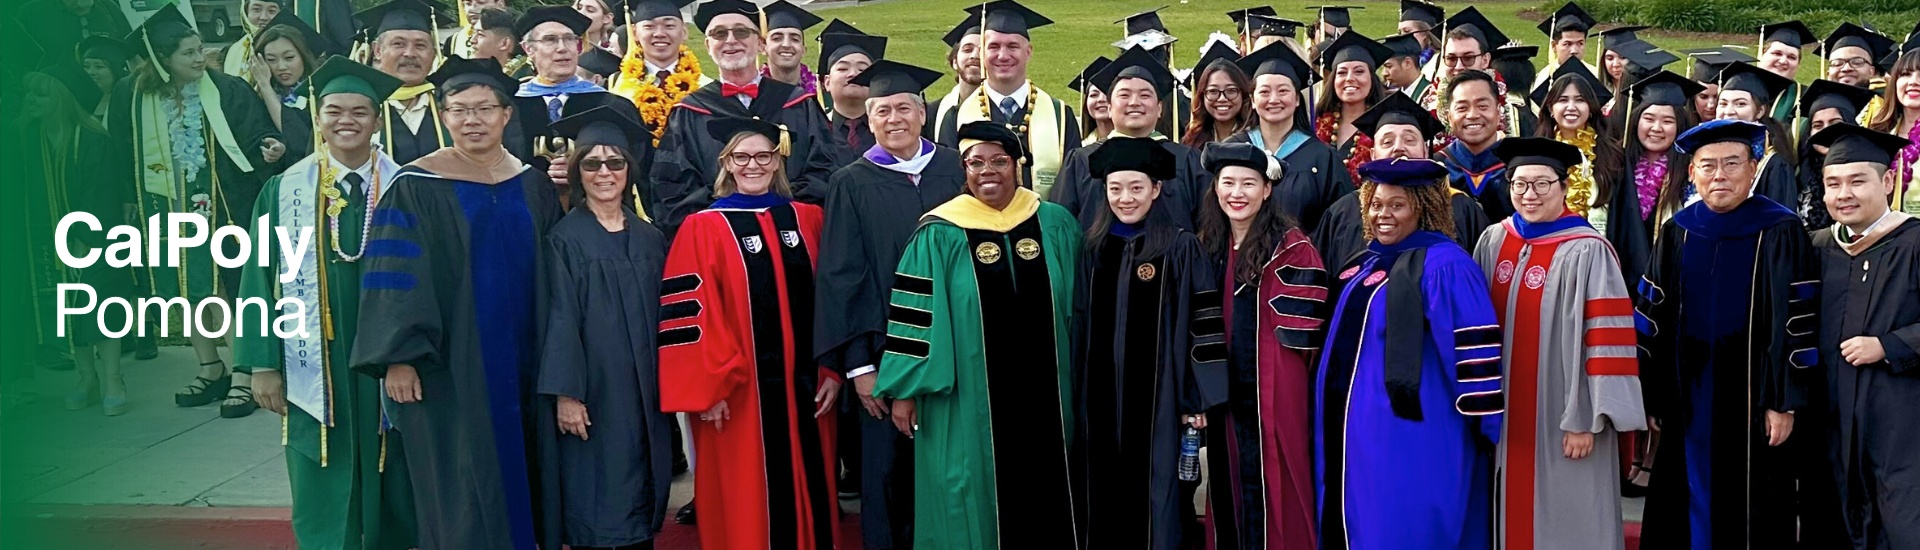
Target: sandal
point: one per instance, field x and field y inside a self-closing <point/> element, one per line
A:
<point x="239" y="403"/>
<point x="203" y="391"/>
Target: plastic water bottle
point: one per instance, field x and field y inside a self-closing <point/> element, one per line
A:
<point x="1190" y="455"/>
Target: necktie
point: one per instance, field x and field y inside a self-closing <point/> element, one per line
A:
<point x="553" y="108"/>
<point x="750" y="90"/>
<point x="351" y="183"/>
<point x="660" y="78"/>
<point x="1008" y="106"/>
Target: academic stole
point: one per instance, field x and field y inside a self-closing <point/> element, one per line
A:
<point x="154" y="170"/>
<point x="1047" y="120"/>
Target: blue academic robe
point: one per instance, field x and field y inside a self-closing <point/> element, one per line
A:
<point x="1482" y="175"/>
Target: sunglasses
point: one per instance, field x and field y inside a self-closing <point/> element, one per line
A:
<point x="594" y="165"/>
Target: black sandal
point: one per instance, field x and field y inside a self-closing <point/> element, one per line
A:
<point x="204" y="390"/>
<point x="245" y="407"/>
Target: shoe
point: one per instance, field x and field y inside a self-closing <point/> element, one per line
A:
<point x="113" y="406"/>
<point x="145" y="348"/>
<point x="246" y="406"/>
<point x="81" y="399"/>
<point x="203" y="391"/>
<point x="685" y="516"/>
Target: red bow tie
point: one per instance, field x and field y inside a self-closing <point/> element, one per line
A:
<point x="729" y="90"/>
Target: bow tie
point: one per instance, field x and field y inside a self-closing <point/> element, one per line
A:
<point x="729" y="90"/>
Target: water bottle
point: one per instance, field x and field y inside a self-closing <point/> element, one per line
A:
<point x="1190" y="455"/>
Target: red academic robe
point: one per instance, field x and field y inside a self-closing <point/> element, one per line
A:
<point x="736" y="281"/>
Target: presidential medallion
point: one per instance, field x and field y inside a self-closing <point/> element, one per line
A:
<point x="987" y="253"/>
<point x="1027" y="249"/>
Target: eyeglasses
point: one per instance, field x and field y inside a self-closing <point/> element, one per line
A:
<point x="1459" y="60"/>
<point x="594" y="165"/>
<point x="999" y="163"/>
<point x="1707" y="167"/>
<point x="733" y="33"/>
<point x="762" y="158"/>
<point x="1538" y="187"/>
<point x="556" y="40"/>
<point x="1224" y="93"/>
<point x="1852" y="62"/>
<point x="483" y="111"/>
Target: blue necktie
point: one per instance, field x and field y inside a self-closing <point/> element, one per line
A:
<point x="1008" y="106"/>
<point x="553" y="108"/>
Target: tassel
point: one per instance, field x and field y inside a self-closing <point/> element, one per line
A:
<point x="323" y="445"/>
<point x="155" y="60"/>
<point x="283" y="431"/>
<point x="383" y="453"/>
<point x="786" y="141"/>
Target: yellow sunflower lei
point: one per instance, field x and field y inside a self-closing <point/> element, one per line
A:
<point x="653" y="101"/>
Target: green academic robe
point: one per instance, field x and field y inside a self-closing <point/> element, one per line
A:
<point x="348" y="474"/>
<point x="977" y="334"/>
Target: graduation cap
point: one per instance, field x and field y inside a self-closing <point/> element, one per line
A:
<point x="1240" y="16"/>
<point x="1217" y="52"/>
<point x="1131" y="154"/>
<point x="1708" y="62"/>
<point x="1264" y="25"/>
<point x="1149" y="40"/>
<point x="1765" y="86"/>
<point x="601" y="125"/>
<point x="1849" y="35"/>
<point x="703" y="16"/>
<point x="987" y="131"/>
<point x="836" y="26"/>
<point x="1398" y="109"/>
<point x="404" y="15"/>
<point x="1338" y="16"/>
<point x="165" y="25"/>
<point x="782" y="14"/>
<point x="887" y="77"/>
<point x="1080" y="81"/>
<point x="1278" y="59"/>
<point x="339" y="75"/>
<point x="564" y="15"/>
<point x="1477" y="25"/>
<point x="104" y="48"/>
<point x="1144" y="21"/>
<point x="1612" y="39"/>
<point x="315" y="43"/>
<point x="1403" y="45"/>
<point x="1245" y="155"/>
<point x="970" y="26"/>
<point x="1529" y="151"/>
<point x="1848" y="143"/>
<point x="834" y="46"/>
<point x="1792" y="33"/>
<point x="1138" y="63"/>
<point x="1569" y="18"/>
<point x="1353" y="46"/>
<point x="1826" y="94"/>
<point x="1666" y="88"/>
<point x="1577" y="70"/>
<point x="1424" y="12"/>
<point x="600" y="62"/>
<point x="78" y="83"/>
<point x="1008" y="16"/>
<point x="456" y="71"/>
<point x="725" y="128"/>
<point x="1404" y="172"/>
<point x="1517" y="53"/>
<point x="648" y="10"/>
<point x="1722" y="131"/>
<point x="1646" y="56"/>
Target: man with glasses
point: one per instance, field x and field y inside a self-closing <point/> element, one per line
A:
<point x="1046" y="125"/>
<point x="1468" y="45"/>
<point x="551" y="36"/>
<point x="688" y="162"/>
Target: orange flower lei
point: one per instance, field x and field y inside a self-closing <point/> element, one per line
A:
<point x="653" y="101"/>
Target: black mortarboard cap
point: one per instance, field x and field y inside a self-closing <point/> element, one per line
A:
<point x="646" y="10"/>
<point x="1792" y="33"/>
<point x="404" y="15"/>
<point x="782" y="14"/>
<point x="1403" y="45"/>
<point x="78" y="83"/>
<point x="1517" y="53"/>
<point x="165" y="25"/>
<point x="1568" y="18"/>
<point x="987" y="131"/>
<point x="1353" y="46"/>
<point x="836" y="26"/>
<point x="105" y="48"/>
<point x="1144" y="21"/>
<point x="1612" y="39"/>
<point x="1009" y="17"/>
<point x="1646" y="56"/>
<point x="1477" y="25"/>
<point x="1404" y="172"/>
<point x="724" y="128"/>
<point x="319" y="45"/>
<point x="1398" y="109"/>
<point x="600" y="62"/>
<point x="1080" y="81"/>
<point x="1848" y="143"/>
<point x="1707" y="62"/>
<point x="1666" y="88"/>
<point x="1721" y="131"/>
<point x="1136" y="62"/>
<point x="456" y="70"/>
<point x="1528" y="151"/>
<point x="1223" y="154"/>
<point x="1239" y="16"/>
<point x="339" y="75"/>
<point x="703" y="15"/>
<point x="564" y="15"/>
<point x="1826" y="94"/>
<point x="1576" y="70"/>
<point x="1130" y="154"/>
<point x="1765" y="86"/>
<point x="1266" y="25"/>
<point x="601" y="125"/>
<point x="1425" y="12"/>
<point x="834" y="46"/>
<point x="1278" y="59"/>
<point x="1218" y="51"/>
<point x="887" y="77"/>
<point x="1850" y="35"/>
<point x="970" y="26"/>
<point x="1338" y="16"/>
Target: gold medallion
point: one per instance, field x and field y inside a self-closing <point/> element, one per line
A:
<point x="1145" y="271"/>
<point x="1027" y="249"/>
<point x="987" y="253"/>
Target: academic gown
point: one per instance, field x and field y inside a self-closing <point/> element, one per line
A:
<point x="458" y="293"/>
<point x="296" y="129"/>
<point x="1152" y="350"/>
<point x="1385" y="481"/>
<point x="1630" y="234"/>
<point x="1340" y="236"/>
<point x="1777" y="180"/>
<point x="1085" y="195"/>
<point x="1313" y="180"/>
<point x="347" y="469"/>
<point x="1873" y="430"/>
<point x="407" y="145"/>
<point x="847" y="139"/>
<point x="875" y="212"/>
<point x="82" y="183"/>
<point x="737" y="297"/>
<point x="604" y="293"/>
<point x="1571" y="367"/>
<point x="531" y="114"/>
<point x="1812" y="205"/>
<point x="978" y="336"/>
<point x="1720" y="355"/>
<point x="1068" y="137"/>
<point x="1481" y="175"/>
<point x="1260" y="456"/>
<point x="688" y="161"/>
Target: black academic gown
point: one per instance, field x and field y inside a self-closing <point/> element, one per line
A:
<point x="1813" y="191"/>
<point x="1085" y="195"/>
<point x="1152" y="349"/>
<point x="296" y="124"/>
<point x="406" y="145"/>
<point x="1631" y="235"/>
<point x="1313" y="181"/>
<point x="948" y="133"/>
<point x="1339" y="236"/>
<point x="1732" y="302"/>
<point x="688" y="161"/>
<point x="478" y="359"/>
<point x="605" y="312"/>
<point x="1874" y="435"/>
<point x="1778" y="181"/>
<point x="246" y="117"/>
<point x="847" y="139"/>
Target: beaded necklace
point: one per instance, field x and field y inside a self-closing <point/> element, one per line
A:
<point x="336" y="204"/>
<point x="1026" y="121"/>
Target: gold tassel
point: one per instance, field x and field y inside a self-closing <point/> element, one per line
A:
<point x="383" y="453"/>
<point x="323" y="445"/>
<point x="283" y="430"/>
<point x="786" y="141"/>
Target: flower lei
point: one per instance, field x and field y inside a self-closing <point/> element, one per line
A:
<point x="1327" y="127"/>
<point x="186" y="132"/>
<point x="808" y="81"/>
<point x="654" y="102"/>
<point x="1648" y="177"/>
<point x="1909" y="155"/>
<point x="1580" y="179"/>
